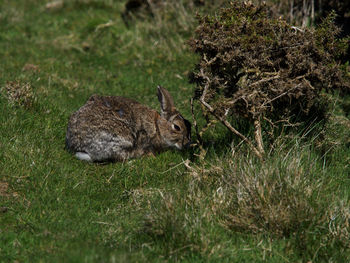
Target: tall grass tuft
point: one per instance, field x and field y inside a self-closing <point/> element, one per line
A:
<point x="289" y="196"/>
<point x="169" y="23"/>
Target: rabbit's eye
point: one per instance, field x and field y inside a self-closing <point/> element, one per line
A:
<point x="176" y="127"/>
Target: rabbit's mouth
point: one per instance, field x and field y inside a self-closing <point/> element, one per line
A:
<point x="171" y="144"/>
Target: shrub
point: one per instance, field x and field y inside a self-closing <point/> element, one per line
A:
<point x="259" y="68"/>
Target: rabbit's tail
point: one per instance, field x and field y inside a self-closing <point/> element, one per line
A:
<point x="83" y="156"/>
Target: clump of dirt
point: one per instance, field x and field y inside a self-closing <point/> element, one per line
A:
<point x="260" y="68"/>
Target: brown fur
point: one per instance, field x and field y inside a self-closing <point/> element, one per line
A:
<point x="111" y="128"/>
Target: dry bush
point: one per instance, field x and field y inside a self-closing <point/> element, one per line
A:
<point x="19" y="93"/>
<point x="311" y="12"/>
<point x="262" y="69"/>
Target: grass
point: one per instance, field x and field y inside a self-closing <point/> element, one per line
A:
<point x="226" y="208"/>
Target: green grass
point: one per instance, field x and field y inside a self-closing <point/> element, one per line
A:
<point x="60" y="209"/>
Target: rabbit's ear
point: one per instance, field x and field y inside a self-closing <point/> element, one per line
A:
<point x="166" y="102"/>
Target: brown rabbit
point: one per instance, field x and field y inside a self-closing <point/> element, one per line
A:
<point x="110" y="128"/>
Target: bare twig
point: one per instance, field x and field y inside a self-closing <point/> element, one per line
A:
<point x="171" y="168"/>
<point x="282" y="94"/>
<point x="207" y="126"/>
<point x="258" y="135"/>
<point x="195" y="123"/>
<point x="297" y="29"/>
<point x="209" y="62"/>
<point x="264" y="80"/>
<point x="103" y="26"/>
<point x="225" y="122"/>
<point x="291" y="11"/>
<point x="312" y="11"/>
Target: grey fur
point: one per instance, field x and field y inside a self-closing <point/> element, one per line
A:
<point x="112" y="128"/>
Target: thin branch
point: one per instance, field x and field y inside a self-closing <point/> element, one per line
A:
<point x="226" y="123"/>
<point x="258" y="136"/>
<point x="209" y="62"/>
<point x="297" y="29"/>
<point x="282" y="94"/>
<point x="312" y="11"/>
<point x="207" y="126"/>
<point x="264" y="80"/>
<point x="195" y="123"/>
<point x="175" y="166"/>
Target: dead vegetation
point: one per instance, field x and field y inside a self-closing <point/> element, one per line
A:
<point x="143" y="9"/>
<point x="264" y="70"/>
<point x="289" y="196"/>
<point x="309" y="12"/>
<point x="166" y="23"/>
<point x="19" y="94"/>
<point x="3" y="189"/>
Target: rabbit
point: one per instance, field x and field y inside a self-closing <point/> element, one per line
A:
<point x="112" y="128"/>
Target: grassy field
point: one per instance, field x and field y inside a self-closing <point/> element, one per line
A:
<point x="229" y="207"/>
